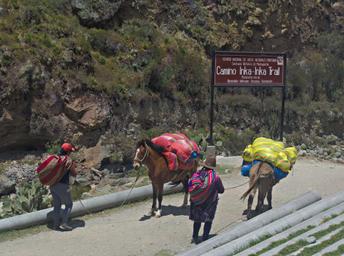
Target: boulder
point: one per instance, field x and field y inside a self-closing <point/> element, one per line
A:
<point x="88" y="110"/>
<point x="94" y="12"/>
<point x="7" y="186"/>
<point x="19" y="172"/>
<point x="95" y="155"/>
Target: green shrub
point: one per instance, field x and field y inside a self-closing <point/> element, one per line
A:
<point x="53" y="147"/>
<point x="29" y="197"/>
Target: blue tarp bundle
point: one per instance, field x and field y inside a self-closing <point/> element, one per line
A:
<point x="245" y="170"/>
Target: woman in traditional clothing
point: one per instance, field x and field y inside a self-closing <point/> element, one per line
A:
<point x="204" y="187"/>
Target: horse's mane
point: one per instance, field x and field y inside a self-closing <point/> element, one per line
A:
<point x="150" y="144"/>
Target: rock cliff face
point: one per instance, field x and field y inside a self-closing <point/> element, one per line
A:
<point x="105" y="73"/>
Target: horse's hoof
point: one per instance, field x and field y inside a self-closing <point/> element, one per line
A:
<point x="151" y="213"/>
<point x="249" y="215"/>
<point x="259" y="211"/>
<point x="158" y="214"/>
<point x="244" y="212"/>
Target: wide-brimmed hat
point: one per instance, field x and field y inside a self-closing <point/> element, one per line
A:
<point x="209" y="163"/>
<point x="210" y="158"/>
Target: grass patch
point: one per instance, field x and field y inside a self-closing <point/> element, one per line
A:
<point x="338" y="252"/>
<point x="329" y="218"/>
<point x="282" y="241"/>
<point x="293" y="248"/>
<point x="309" y="251"/>
<point x="331" y="228"/>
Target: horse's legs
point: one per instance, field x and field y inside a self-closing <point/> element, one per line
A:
<point x="269" y="197"/>
<point x="186" y="191"/>
<point x="154" y="200"/>
<point x="160" y="191"/>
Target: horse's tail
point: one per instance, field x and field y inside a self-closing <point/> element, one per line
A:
<point x="254" y="183"/>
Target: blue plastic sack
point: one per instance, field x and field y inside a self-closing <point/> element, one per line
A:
<point x="279" y="174"/>
<point x="245" y="169"/>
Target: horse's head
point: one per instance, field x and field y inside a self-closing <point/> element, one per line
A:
<point x="141" y="154"/>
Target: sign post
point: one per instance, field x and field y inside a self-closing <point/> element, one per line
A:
<point x="247" y="69"/>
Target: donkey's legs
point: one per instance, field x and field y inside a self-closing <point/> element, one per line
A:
<point x="160" y="190"/>
<point x="186" y="191"/>
<point x="269" y="197"/>
<point x="249" y="204"/>
<point x="260" y="203"/>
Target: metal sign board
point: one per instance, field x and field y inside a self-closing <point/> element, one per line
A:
<point x="248" y="69"/>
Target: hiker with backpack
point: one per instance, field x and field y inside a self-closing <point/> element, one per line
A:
<point x="204" y="187"/>
<point x="61" y="193"/>
<point x="55" y="172"/>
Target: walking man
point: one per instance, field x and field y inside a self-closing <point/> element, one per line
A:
<point x="61" y="192"/>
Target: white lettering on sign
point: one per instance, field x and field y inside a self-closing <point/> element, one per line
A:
<point x="274" y="71"/>
<point x="260" y="71"/>
<point x="225" y="71"/>
<point x="245" y="71"/>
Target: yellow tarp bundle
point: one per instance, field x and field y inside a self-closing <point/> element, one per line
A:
<point x="248" y="154"/>
<point x="282" y="162"/>
<point x="291" y="153"/>
<point x="271" y="151"/>
<point x="266" y="149"/>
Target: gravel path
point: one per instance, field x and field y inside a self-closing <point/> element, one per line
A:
<point x="127" y="231"/>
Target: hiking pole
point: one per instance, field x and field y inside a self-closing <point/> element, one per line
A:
<point x="237" y="186"/>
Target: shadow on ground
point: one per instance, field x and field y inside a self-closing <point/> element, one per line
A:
<point x="255" y="213"/>
<point x="74" y="223"/>
<point x="170" y="210"/>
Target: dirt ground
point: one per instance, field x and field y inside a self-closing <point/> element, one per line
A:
<point x="127" y="231"/>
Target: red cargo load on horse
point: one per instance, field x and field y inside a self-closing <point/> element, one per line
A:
<point x="179" y="150"/>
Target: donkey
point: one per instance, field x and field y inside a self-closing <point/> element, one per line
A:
<point x="150" y="155"/>
<point x="261" y="178"/>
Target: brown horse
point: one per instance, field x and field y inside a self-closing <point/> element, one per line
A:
<point x="149" y="154"/>
<point x="261" y="178"/>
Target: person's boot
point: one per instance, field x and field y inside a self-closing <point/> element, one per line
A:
<point x="195" y="240"/>
<point x="207" y="227"/>
<point x="196" y="227"/>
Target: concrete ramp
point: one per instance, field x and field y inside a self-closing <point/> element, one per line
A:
<point x="319" y="222"/>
